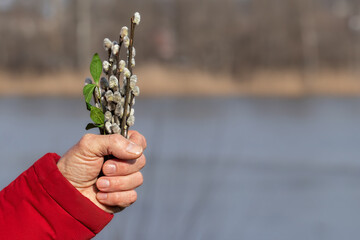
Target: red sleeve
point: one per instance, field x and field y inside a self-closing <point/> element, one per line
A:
<point x="42" y="204"/>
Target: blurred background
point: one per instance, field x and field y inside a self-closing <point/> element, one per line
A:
<point x="250" y="109"/>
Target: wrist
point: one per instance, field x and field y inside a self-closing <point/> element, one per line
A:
<point x="62" y="193"/>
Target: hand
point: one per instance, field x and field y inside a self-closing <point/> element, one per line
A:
<point x="115" y="190"/>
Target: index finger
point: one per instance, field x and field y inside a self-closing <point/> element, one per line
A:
<point x="113" y="144"/>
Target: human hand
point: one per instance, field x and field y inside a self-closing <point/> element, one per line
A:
<point x="115" y="190"/>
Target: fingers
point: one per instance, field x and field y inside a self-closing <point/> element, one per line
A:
<point x="137" y="138"/>
<point x="114" y="144"/>
<point x="120" y="199"/>
<point x="120" y="183"/>
<point x="115" y="167"/>
<point x="118" y="190"/>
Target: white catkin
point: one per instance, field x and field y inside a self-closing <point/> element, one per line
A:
<point x="137" y="18"/>
<point x="109" y="95"/>
<point x="117" y="97"/>
<point x="119" y="110"/>
<point x="106" y="66"/>
<point x="124" y="32"/>
<point x="126" y="41"/>
<point x="108" y="116"/>
<point x="115" y="49"/>
<point x="107" y="44"/>
<point x="132" y="85"/>
<point x="134" y="78"/>
<point x="133" y="81"/>
<point x="133" y="52"/>
<point x="122" y="65"/>
<point x="113" y="82"/>
<point x="127" y="73"/>
<point x="132" y="112"/>
<point x="133" y="101"/>
<point x="136" y="91"/>
<point x="122" y="102"/>
<point x="133" y="63"/>
<point x="108" y="127"/>
<point x="115" y="128"/>
<point x="131" y="120"/>
<point x="111" y="106"/>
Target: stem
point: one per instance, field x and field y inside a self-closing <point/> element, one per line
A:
<point x="124" y="126"/>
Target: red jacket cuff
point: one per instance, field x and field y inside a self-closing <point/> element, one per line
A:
<point x="67" y="196"/>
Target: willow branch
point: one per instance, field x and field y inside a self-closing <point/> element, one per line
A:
<point x="124" y="126"/>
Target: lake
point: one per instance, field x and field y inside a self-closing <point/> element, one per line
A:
<point x="218" y="168"/>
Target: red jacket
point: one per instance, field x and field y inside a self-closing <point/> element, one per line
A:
<point x="42" y="204"/>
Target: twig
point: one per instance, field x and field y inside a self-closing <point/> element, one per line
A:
<point x="124" y="126"/>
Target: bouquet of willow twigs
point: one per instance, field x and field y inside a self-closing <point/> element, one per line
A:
<point x="113" y="111"/>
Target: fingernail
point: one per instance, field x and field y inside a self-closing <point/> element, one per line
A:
<point x="102" y="196"/>
<point x="133" y="148"/>
<point x="110" y="168"/>
<point x="103" y="183"/>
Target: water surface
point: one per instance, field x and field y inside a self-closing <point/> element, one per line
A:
<point x="239" y="168"/>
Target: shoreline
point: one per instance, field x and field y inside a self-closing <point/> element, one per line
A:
<point x="155" y="80"/>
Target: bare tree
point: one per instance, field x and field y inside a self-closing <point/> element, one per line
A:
<point x="218" y="35"/>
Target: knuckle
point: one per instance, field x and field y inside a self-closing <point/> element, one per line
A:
<point x="112" y="137"/>
<point x="115" y="139"/>
<point x="86" y="139"/>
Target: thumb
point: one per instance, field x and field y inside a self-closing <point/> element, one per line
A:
<point x="114" y="144"/>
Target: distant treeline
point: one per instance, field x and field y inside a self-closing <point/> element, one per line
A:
<point x="215" y="35"/>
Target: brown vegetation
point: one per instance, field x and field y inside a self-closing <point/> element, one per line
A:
<point x="156" y="80"/>
<point x="253" y="46"/>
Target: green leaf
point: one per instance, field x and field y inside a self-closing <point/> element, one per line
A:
<point x="88" y="106"/>
<point x="96" y="68"/>
<point x="93" y="125"/>
<point x="88" y="92"/>
<point x="97" y="115"/>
